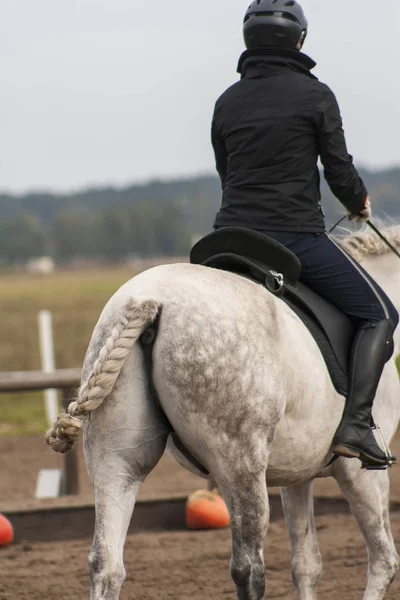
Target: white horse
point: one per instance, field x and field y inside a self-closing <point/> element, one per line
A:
<point x="246" y="389"/>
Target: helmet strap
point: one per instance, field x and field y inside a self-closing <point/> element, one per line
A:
<point x="302" y="39"/>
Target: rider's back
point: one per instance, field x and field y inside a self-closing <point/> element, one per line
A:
<point x="268" y="131"/>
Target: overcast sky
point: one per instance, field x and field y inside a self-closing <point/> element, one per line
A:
<point x="98" y="92"/>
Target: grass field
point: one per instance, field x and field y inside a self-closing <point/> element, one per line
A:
<point x="76" y="299"/>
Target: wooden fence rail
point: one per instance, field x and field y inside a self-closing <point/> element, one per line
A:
<point x="37" y="380"/>
<point x="65" y="380"/>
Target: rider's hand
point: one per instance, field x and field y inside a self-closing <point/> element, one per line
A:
<point x="364" y="215"/>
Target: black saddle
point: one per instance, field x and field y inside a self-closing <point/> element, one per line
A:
<point x="263" y="260"/>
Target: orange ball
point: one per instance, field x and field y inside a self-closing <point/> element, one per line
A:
<point x="6" y="531"/>
<point x="206" y="510"/>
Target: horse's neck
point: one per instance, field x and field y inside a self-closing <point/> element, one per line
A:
<point x="385" y="269"/>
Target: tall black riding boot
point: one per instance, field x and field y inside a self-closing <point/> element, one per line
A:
<point x="354" y="438"/>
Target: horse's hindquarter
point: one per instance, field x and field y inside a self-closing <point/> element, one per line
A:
<point x="240" y="377"/>
<point x="216" y="366"/>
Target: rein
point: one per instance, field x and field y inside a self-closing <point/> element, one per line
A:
<point x="384" y="240"/>
<point x="337" y="224"/>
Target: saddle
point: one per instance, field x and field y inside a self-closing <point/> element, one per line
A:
<point x="269" y="263"/>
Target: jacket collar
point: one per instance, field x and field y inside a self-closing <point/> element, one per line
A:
<point x="267" y="59"/>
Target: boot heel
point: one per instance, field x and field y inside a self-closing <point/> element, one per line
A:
<point x="345" y="451"/>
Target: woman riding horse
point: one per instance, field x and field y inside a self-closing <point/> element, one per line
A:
<point x="268" y="131"/>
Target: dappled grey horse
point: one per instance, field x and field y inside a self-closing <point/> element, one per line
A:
<point x="244" y="386"/>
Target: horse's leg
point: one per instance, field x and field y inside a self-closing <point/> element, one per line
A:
<point x="114" y="506"/>
<point x="211" y="485"/>
<point x="298" y="507"/>
<point x="247" y="500"/>
<point x="124" y="440"/>
<point x="368" y="495"/>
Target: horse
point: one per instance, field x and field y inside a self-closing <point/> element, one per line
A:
<point x="241" y="381"/>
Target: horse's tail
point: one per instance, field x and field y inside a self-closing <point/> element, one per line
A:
<point x="136" y="318"/>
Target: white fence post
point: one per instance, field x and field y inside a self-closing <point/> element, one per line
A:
<point x="45" y="322"/>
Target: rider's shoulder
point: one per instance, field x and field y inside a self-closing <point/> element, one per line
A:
<point x="325" y="93"/>
<point x="319" y="91"/>
<point x="227" y="94"/>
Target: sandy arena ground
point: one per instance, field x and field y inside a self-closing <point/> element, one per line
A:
<point x="161" y="566"/>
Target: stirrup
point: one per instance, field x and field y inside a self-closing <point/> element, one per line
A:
<point x="391" y="459"/>
<point x="368" y="463"/>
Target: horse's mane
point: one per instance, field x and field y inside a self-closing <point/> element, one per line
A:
<point x="366" y="243"/>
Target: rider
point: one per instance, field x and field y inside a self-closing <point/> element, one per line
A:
<point x="268" y="131"/>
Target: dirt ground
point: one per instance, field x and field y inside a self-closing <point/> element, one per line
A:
<point x="187" y="566"/>
<point x="161" y="566"/>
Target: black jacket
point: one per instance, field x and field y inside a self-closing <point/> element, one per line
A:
<point x="268" y="131"/>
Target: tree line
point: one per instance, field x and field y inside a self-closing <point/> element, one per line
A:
<point x="158" y="218"/>
<point x="112" y="233"/>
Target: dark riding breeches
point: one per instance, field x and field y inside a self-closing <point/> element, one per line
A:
<point x="334" y="275"/>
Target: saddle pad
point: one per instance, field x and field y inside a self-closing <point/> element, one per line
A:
<point x="330" y="328"/>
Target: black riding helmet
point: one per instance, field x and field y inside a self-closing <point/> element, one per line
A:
<point x="279" y="23"/>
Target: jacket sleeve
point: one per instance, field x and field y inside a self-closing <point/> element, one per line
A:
<point x="340" y="173"/>
<point x="219" y="150"/>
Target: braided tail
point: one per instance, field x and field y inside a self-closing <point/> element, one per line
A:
<point x="136" y="318"/>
